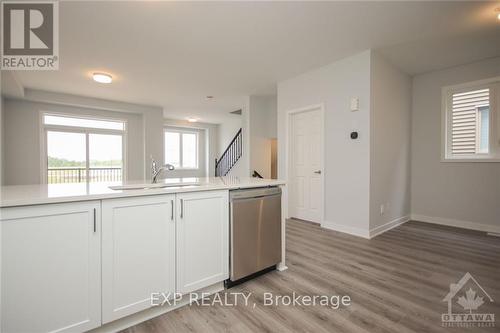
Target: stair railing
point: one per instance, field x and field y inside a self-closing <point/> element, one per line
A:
<point x="230" y="156"/>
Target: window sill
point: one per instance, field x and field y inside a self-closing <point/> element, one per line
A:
<point x="186" y="169"/>
<point x="470" y="160"/>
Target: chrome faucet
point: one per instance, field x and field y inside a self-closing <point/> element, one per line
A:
<point x="155" y="171"/>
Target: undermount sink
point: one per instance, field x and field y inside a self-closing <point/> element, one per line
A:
<point x="151" y="186"/>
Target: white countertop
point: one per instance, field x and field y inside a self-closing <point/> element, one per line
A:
<point x="24" y="195"/>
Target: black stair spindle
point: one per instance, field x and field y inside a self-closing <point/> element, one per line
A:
<point x="230" y="156"/>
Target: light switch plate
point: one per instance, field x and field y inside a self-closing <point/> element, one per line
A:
<point x="354" y="104"/>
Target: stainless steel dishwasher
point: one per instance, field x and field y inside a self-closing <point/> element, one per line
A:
<point x="255" y="230"/>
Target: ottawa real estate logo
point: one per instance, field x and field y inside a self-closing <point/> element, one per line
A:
<point x="466" y="300"/>
<point x="30" y="35"/>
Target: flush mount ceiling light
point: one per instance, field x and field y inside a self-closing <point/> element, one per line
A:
<point x="192" y="120"/>
<point x="102" y="77"/>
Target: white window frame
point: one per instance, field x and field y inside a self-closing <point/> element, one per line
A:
<point x="83" y="130"/>
<point x="182" y="130"/>
<point x="493" y="154"/>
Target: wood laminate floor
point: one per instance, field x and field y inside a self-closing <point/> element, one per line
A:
<point x="396" y="281"/>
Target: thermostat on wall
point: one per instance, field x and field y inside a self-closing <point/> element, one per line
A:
<point x="354" y="104"/>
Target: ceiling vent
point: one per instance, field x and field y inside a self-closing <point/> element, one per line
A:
<point x="238" y="112"/>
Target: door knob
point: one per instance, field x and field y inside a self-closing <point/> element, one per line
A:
<point x="318" y="172"/>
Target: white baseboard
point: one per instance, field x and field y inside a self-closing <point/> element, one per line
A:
<point x="456" y="223"/>
<point x="281" y="267"/>
<point x="137" y="318"/>
<point x="413" y="217"/>
<point x="389" y="225"/>
<point x="366" y="233"/>
<point x="346" y="229"/>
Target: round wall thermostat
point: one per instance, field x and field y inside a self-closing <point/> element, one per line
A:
<point x="354" y="135"/>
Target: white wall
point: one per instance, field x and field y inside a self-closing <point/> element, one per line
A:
<point x="23" y="133"/>
<point x="263" y="128"/>
<point x="225" y="133"/>
<point x="347" y="162"/>
<point x="462" y="194"/>
<point x="1" y="132"/>
<point x="2" y="159"/>
<point x="396" y="161"/>
<point x="208" y="148"/>
<point x="152" y="118"/>
<point x="390" y="143"/>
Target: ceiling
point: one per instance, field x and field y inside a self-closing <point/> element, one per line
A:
<point x="174" y="54"/>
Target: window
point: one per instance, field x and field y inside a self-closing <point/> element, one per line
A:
<point x="82" y="122"/>
<point x="470" y="115"/>
<point x="181" y="148"/>
<point x="82" y="149"/>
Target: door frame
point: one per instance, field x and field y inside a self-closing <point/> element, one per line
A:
<point x="288" y="155"/>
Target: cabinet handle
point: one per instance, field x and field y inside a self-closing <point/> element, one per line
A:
<point x="95" y="226"/>
<point x="182" y="208"/>
<point x="172" y="206"/>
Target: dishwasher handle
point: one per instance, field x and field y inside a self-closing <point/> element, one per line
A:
<point x="254" y="193"/>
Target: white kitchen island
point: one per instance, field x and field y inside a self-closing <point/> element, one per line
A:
<point x="80" y="257"/>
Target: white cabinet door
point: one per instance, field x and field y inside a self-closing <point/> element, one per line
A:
<point x="202" y="239"/>
<point x="50" y="268"/>
<point x="138" y="253"/>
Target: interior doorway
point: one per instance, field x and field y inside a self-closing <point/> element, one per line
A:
<point x="306" y="164"/>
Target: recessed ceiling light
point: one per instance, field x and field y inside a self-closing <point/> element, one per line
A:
<point x="192" y="120"/>
<point x="102" y="78"/>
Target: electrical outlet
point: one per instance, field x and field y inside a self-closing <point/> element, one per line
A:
<point x="382" y="209"/>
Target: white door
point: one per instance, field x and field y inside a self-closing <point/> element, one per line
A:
<point x="306" y="165"/>
<point x="202" y="239"/>
<point x="138" y="253"/>
<point x="50" y="268"/>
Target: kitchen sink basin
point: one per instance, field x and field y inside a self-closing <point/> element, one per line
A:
<point x="151" y="186"/>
